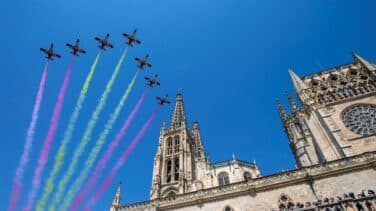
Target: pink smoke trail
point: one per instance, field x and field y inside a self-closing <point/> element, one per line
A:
<point x="107" y="182"/>
<point x="17" y="180"/>
<point x="43" y="157"/>
<point x="107" y="156"/>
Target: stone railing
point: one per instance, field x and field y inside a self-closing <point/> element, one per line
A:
<point x="365" y="160"/>
<point x="362" y="202"/>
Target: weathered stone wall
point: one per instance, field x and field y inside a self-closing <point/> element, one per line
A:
<point x="329" y="180"/>
<point x="268" y="200"/>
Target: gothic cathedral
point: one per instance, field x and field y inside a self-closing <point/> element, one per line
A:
<point x="332" y="136"/>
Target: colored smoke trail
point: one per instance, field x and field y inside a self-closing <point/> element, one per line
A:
<point x="87" y="135"/>
<point x="108" y="181"/>
<point x="59" y="157"/>
<point x="107" y="156"/>
<point x="17" y="180"/>
<point x="75" y="187"/>
<point x="43" y="157"/>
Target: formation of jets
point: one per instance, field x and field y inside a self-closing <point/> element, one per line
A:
<point x="103" y="44"/>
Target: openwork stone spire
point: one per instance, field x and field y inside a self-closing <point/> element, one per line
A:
<point x="282" y="111"/>
<point x="291" y="101"/>
<point x="178" y="116"/>
<point x="299" y="85"/>
<point x="197" y="137"/>
<point x="117" y="199"/>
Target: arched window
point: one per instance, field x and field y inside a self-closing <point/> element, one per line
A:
<point x="223" y="179"/>
<point x="176" y="170"/>
<point x="169" y="146"/>
<point x="227" y="208"/>
<point x="169" y="171"/>
<point x="247" y="176"/>
<point x="176" y="144"/>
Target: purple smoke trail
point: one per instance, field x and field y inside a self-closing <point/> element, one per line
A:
<point x="48" y="141"/>
<point x="107" y="182"/>
<point x="17" y="180"/>
<point x="107" y="156"/>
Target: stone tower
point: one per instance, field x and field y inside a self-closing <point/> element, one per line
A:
<point x="181" y="165"/>
<point x="173" y="162"/>
<point x="337" y="118"/>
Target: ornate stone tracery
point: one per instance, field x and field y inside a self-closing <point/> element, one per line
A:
<point x="361" y="119"/>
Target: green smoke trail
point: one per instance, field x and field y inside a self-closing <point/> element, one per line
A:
<point x="75" y="187"/>
<point x="87" y="135"/>
<point x="59" y="157"/>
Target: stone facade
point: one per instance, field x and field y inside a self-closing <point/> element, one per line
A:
<point x="332" y="136"/>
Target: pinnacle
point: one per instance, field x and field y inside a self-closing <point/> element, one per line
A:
<point x="299" y="85"/>
<point x="364" y="62"/>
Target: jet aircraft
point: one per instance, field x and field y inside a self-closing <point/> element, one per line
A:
<point x="131" y="38"/>
<point x="152" y="81"/>
<point x="143" y="62"/>
<point x="104" y="42"/>
<point x="163" y="100"/>
<point x="76" y="48"/>
<point x="50" y="54"/>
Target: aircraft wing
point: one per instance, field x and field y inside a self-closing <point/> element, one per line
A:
<point x="137" y="41"/>
<point x="125" y="35"/>
<point x="149" y="65"/>
<point x="147" y="78"/>
<point x="158" y="83"/>
<point x="57" y="55"/>
<point x="82" y="51"/>
<point x="98" y="39"/>
<point x="44" y="50"/>
<point x="110" y="45"/>
<point x="137" y="59"/>
<point x="69" y="45"/>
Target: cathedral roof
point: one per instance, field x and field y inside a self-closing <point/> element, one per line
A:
<point x="232" y="161"/>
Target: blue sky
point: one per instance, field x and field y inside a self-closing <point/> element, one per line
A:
<point x="228" y="58"/>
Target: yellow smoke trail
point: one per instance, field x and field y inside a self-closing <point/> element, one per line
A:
<point x="75" y="187"/>
<point x="87" y="136"/>
<point x="49" y="186"/>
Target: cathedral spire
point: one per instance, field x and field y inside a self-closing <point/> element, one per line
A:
<point x="198" y="141"/>
<point x="117" y="199"/>
<point x="364" y="62"/>
<point x="299" y="85"/>
<point x="178" y="116"/>
<point x="291" y="101"/>
<point x="282" y="111"/>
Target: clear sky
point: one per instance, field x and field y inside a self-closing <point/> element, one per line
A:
<point x="228" y="58"/>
